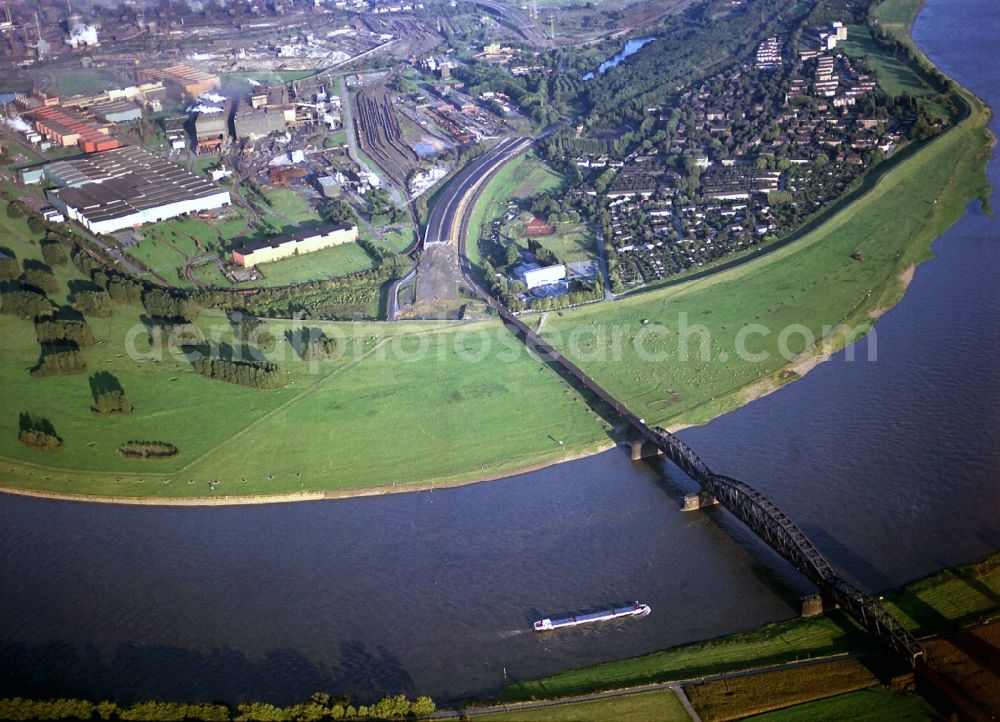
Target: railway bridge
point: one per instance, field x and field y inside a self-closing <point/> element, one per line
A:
<point x="749" y="505"/>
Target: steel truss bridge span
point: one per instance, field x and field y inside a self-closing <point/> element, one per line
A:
<point x="750" y="506"/>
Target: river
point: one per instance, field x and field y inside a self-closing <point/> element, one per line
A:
<point x="891" y="467"/>
<point x="632" y="47"/>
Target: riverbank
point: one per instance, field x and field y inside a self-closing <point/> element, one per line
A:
<point x="303" y="496"/>
<point x="942" y="603"/>
<point x="415" y="406"/>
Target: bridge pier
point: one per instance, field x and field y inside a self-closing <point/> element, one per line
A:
<point x="645" y="450"/>
<point x="699" y="500"/>
<point x="817" y="604"/>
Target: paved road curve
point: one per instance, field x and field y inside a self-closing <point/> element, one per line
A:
<point x="443" y="223"/>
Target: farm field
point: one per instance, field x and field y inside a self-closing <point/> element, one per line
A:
<point x="867" y="705"/>
<point x="739" y="697"/>
<point x="660" y="706"/>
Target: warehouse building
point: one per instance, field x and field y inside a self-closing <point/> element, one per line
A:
<point x="182" y="79"/>
<point x="127" y="187"/>
<point x="116" y="111"/>
<point x="277" y="248"/>
<point x="68" y="127"/>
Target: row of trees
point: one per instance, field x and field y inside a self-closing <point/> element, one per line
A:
<point x="255" y="374"/>
<point x="163" y="304"/>
<point x="319" y="707"/>
<point x="38" y="433"/>
<point x="147" y="450"/>
<point x="26" y="304"/>
<point x="59" y="361"/>
<point x="62" y="330"/>
<point x="111" y="402"/>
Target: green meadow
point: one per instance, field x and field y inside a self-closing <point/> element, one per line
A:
<point x="659" y="706"/>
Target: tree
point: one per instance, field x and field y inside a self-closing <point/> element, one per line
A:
<point x="339" y="212"/>
<point x="42" y="279"/>
<point x="54" y="253"/>
<point x="92" y="302"/>
<point x="26" y="304"/>
<point x="9" y="269"/>
<point x="16" y="209"/>
<point x="35" y="224"/>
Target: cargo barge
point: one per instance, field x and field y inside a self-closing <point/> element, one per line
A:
<point x="636" y="610"/>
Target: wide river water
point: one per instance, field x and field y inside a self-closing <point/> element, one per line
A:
<point x="892" y="468"/>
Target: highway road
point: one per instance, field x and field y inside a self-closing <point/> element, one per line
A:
<point x="445" y="219"/>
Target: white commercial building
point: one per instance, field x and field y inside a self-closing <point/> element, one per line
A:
<point x="535" y="277"/>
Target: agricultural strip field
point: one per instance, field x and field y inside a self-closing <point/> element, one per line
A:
<point x="738" y="697"/>
<point x="659" y="706"/>
<point x="867" y="705"/>
<point x="814" y="282"/>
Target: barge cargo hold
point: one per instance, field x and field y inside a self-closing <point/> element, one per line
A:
<point x="636" y="610"/>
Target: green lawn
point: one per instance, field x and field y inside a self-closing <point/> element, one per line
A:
<point x="289" y="204"/>
<point x="79" y="81"/>
<point x="867" y="705"/>
<point x="329" y="263"/>
<point x="659" y="706"/>
<point x="336" y="139"/>
<point x="899" y="15"/>
<point x="398" y="241"/>
<point x="894" y="76"/>
<point x="950" y="598"/>
<point x="313" y="435"/>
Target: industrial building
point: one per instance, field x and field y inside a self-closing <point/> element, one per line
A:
<point x="67" y="127"/>
<point x="126" y="187"/>
<point x="211" y="126"/>
<point x="277" y="248"/>
<point x="251" y="123"/>
<point x="116" y="111"/>
<point x="182" y="79"/>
